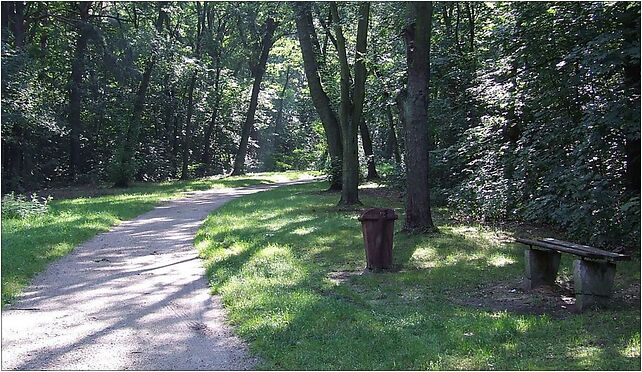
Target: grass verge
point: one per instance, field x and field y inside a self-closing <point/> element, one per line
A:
<point x="287" y="265"/>
<point x="29" y="244"/>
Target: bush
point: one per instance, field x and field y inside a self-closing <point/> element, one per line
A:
<point x="18" y="206"/>
<point x="122" y="169"/>
<point x="393" y="175"/>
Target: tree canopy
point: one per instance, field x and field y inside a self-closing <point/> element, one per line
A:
<point x="531" y="109"/>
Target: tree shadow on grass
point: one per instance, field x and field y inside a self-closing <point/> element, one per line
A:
<point x="95" y="191"/>
<point x="298" y="318"/>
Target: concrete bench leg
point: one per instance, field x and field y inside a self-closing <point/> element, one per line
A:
<point x="541" y="267"/>
<point x="593" y="283"/>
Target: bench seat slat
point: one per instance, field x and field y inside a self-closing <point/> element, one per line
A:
<point x="611" y="255"/>
<point x="561" y="248"/>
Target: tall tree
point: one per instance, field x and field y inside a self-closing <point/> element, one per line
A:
<point x="417" y="38"/>
<point x="125" y="167"/>
<point x="274" y="141"/>
<point x="75" y="87"/>
<point x="13" y="154"/>
<point x="258" y="70"/>
<point x="187" y="139"/>
<point x="351" y="109"/>
<point x="366" y="142"/>
<point x="215" y="53"/>
<point x="630" y="19"/>
<point x="320" y="99"/>
<point x="392" y="147"/>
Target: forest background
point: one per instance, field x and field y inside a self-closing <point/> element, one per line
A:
<point x="533" y="107"/>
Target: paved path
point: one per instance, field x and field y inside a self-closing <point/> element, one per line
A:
<point x="135" y="297"/>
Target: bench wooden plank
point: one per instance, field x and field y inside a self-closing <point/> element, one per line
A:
<point x="611" y="255"/>
<point x="560" y="248"/>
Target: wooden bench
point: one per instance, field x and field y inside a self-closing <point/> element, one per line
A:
<point x="593" y="272"/>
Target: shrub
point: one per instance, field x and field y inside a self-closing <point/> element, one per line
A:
<point x="18" y="206"/>
<point x="393" y="175"/>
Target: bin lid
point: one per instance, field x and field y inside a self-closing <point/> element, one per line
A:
<point x="379" y="214"/>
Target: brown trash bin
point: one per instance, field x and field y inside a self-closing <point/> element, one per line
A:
<point x="378" y="229"/>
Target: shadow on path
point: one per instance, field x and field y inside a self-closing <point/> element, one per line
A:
<point x="132" y="298"/>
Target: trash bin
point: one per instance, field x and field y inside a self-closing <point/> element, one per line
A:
<point x="378" y="229"/>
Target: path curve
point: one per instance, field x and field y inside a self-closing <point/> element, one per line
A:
<point x="135" y="297"/>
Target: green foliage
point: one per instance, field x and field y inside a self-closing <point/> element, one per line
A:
<point x="534" y="108"/>
<point x="122" y="170"/>
<point x="288" y="266"/>
<point x="535" y="129"/>
<point x="18" y="206"/>
<point x="393" y="175"/>
<point x="123" y="38"/>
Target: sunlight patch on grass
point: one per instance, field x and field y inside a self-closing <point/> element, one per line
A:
<point x="457" y="258"/>
<point x="510" y="346"/>
<point x="499" y="260"/>
<point x="370" y="185"/>
<point x="273" y="262"/>
<point x="523" y="325"/>
<point x="424" y="258"/>
<point x="632" y="349"/>
<point x="301" y="231"/>
<point x="586" y="356"/>
<point x="59" y="250"/>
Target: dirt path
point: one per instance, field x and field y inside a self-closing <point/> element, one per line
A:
<point x="135" y="297"/>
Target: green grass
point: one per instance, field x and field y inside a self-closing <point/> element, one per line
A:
<point x="271" y="256"/>
<point x="29" y="244"/>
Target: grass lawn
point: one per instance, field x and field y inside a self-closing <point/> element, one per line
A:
<point x="29" y="244"/>
<point x="286" y="263"/>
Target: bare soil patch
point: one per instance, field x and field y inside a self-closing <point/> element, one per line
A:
<point x="558" y="300"/>
<point x="340" y="277"/>
<point x="82" y="191"/>
<point x="382" y="192"/>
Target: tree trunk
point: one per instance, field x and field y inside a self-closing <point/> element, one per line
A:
<point x="392" y="147"/>
<point x="126" y="169"/>
<point x="187" y="139"/>
<point x="275" y="142"/>
<point x="13" y="20"/>
<point x="259" y="71"/>
<point x="471" y="24"/>
<point x="366" y="142"/>
<point x="206" y="158"/>
<point x="457" y="23"/>
<point x="176" y="128"/>
<point x="631" y="22"/>
<point x="319" y="97"/>
<point x="75" y="90"/>
<point x="17" y="23"/>
<point x="278" y="122"/>
<point x="400" y="100"/>
<point x="446" y="9"/>
<point x="4" y="20"/>
<point x="418" y="215"/>
<point x="351" y="111"/>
